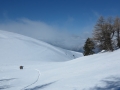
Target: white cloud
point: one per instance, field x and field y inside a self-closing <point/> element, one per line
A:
<point x="45" y="32"/>
<point x="35" y="29"/>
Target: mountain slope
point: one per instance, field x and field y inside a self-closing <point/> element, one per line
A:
<point x="17" y="48"/>
<point x="83" y="73"/>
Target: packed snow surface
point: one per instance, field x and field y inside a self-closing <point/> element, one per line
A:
<point x="51" y="68"/>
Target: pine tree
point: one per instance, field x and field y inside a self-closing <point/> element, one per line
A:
<point x="88" y="47"/>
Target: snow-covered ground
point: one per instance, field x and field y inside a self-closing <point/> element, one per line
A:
<point x="50" y="68"/>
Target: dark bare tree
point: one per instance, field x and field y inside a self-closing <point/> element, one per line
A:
<point x="104" y="33"/>
<point x="117" y="30"/>
<point x="98" y="35"/>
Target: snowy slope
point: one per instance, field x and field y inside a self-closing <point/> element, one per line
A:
<point x="84" y="73"/>
<point x="18" y="48"/>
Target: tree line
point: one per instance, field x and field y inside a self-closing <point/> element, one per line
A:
<point x="106" y="36"/>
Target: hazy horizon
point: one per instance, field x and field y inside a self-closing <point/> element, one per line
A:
<point x="64" y="23"/>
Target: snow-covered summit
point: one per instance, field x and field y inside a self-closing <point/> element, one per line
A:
<point x="17" y="48"/>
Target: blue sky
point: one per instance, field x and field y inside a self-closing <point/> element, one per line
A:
<point x="77" y="13"/>
<point x="70" y="16"/>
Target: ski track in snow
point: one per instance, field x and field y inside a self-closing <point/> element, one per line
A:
<point x="34" y="81"/>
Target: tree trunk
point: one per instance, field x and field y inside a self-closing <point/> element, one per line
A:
<point x="118" y="38"/>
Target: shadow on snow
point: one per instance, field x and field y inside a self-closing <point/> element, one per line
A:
<point x="112" y="83"/>
<point x="5" y="86"/>
<point x="6" y="79"/>
<point x="41" y="86"/>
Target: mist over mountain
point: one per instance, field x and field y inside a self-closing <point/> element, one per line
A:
<point x="74" y="43"/>
<point x="51" y="34"/>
